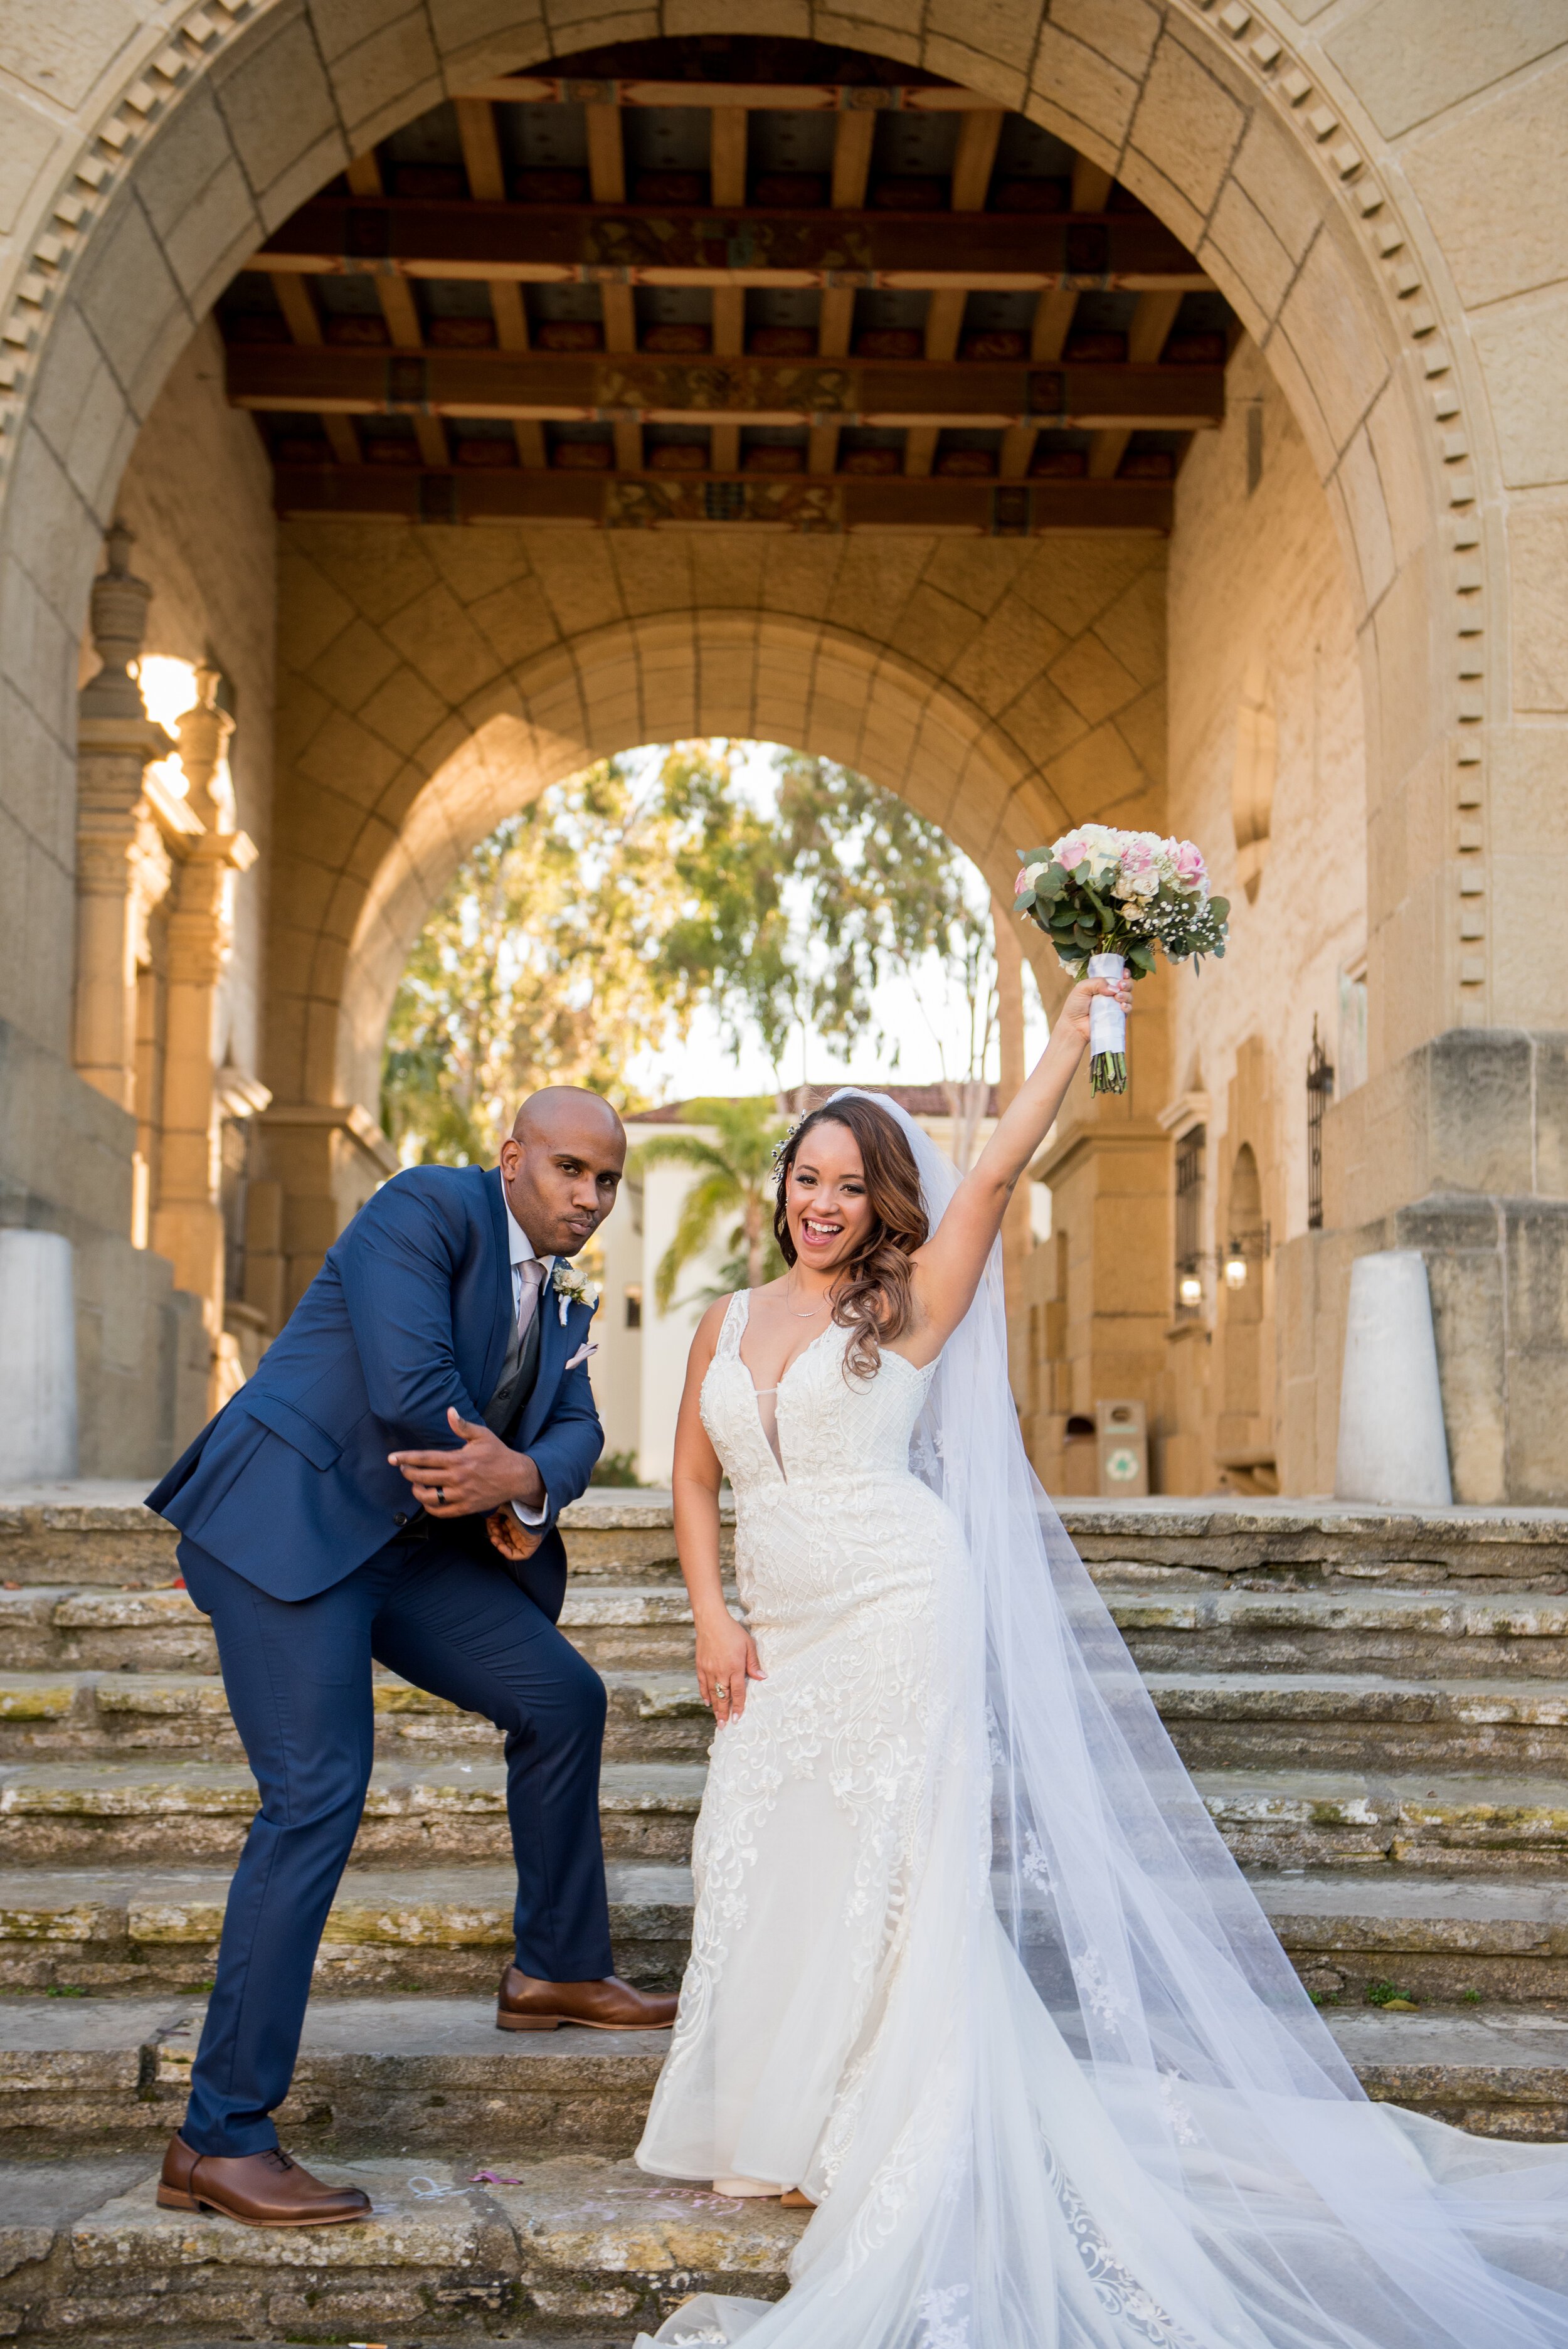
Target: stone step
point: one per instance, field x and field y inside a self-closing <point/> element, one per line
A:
<point x="86" y="1814"/>
<point x="96" y="1531"/>
<point x="434" y="2076"/>
<point x="1444" y="1934"/>
<point x="56" y="1715"/>
<point x="375" y="2075"/>
<point x="137" y="1931"/>
<point x="1275" y="1819"/>
<point x="1496" y="2071"/>
<point x="578" y="2248"/>
<point x="50" y="1628"/>
<point x="1417" y="1634"/>
<point x="1442" y="1937"/>
<point x="1334" y="1720"/>
<point x="1297" y="1720"/>
<point x="1411" y="1634"/>
<point x="446" y="1801"/>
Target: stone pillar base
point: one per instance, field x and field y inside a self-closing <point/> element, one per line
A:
<point x="1499" y="1274"/>
<point x="1461" y="1151"/>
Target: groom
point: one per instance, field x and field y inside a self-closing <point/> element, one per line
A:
<point x="385" y="1491"/>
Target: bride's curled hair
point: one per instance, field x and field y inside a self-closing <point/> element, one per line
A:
<point x="875" y="1298"/>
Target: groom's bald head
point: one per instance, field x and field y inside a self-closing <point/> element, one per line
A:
<point x="561" y="1165"/>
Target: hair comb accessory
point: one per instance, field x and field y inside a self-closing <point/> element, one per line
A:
<point x="785" y="1139"/>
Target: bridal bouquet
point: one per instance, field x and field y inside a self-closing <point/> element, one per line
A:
<point x="1106" y="899"/>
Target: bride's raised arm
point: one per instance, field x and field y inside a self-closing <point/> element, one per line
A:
<point x="947" y="1269"/>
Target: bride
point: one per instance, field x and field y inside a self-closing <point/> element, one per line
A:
<point x="972" y="1970"/>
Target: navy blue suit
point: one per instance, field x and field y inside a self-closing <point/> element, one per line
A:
<point x="306" y="1548"/>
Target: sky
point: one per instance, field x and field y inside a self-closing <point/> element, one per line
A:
<point x="925" y="1012"/>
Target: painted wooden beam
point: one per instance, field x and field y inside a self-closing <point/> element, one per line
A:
<point x="618" y="244"/>
<point x="635" y="387"/>
<point x="764" y="96"/>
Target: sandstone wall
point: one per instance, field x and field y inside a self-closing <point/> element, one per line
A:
<point x="1268" y="774"/>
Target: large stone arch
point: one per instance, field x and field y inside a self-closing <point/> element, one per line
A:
<point x="1262" y="152"/>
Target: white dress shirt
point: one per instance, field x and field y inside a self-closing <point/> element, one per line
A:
<point x="521" y="1250"/>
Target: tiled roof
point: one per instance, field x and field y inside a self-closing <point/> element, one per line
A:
<point x="919" y="1100"/>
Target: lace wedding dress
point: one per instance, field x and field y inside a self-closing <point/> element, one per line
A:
<point x="972" y="1965"/>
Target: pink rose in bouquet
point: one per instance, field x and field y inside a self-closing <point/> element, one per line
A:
<point x="1107" y="899"/>
<point x="1188" y="859"/>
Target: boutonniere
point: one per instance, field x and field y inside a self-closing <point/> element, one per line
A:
<point x="573" y="1287"/>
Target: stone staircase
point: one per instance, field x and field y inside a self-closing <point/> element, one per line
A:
<point x="1374" y="1707"/>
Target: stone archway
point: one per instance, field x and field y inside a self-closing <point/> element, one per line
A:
<point x="1256" y="161"/>
<point x="961" y="699"/>
<point x="956" y="688"/>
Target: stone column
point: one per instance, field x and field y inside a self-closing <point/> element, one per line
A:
<point x="188" y="1221"/>
<point x="1103" y="1294"/>
<point x="116" y="742"/>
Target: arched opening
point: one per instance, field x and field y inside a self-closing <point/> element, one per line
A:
<point x="608" y="935"/>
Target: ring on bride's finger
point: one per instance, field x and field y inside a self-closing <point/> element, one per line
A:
<point x="721" y="1688"/>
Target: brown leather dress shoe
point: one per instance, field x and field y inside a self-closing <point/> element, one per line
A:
<point x="259" y="2189"/>
<point x="609" y="2005"/>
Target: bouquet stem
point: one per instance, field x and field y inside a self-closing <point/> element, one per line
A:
<point x="1107" y="1029"/>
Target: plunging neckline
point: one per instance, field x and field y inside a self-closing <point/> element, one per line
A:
<point x="777" y="1388"/>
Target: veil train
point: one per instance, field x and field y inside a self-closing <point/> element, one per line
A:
<point x="1093" y="2107"/>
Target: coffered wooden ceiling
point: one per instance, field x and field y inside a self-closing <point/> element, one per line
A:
<point x="727" y="281"/>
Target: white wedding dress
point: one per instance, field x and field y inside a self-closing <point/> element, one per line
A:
<point x="971" y="1964"/>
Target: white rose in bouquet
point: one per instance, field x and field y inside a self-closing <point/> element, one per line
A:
<point x="1107" y="899"/>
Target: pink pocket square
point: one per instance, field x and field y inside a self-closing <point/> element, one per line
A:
<point x="582" y="1356"/>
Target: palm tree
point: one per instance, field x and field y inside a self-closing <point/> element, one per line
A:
<point x="733" y="1178"/>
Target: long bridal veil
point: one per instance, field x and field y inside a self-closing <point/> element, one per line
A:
<point x="1093" y="2107"/>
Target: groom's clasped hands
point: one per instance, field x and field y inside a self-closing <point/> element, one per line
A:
<point x="483" y="1477"/>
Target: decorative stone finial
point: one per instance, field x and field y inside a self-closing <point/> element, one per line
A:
<point x="118" y="619"/>
<point x="204" y="731"/>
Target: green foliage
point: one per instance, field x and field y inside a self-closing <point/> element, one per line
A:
<point x="793" y="918"/>
<point x="542" y="964"/>
<point x="734" y="1183"/>
<point x="1388" y="1994"/>
<point x="617" y="1468"/>
<point x="587" y="930"/>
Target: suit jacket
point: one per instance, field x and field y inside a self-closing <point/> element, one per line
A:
<point x="290" y="1484"/>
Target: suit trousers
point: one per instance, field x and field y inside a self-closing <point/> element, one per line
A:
<point x="298" y="1677"/>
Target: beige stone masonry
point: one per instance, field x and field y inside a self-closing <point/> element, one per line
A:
<point x="1241" y="132"/>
